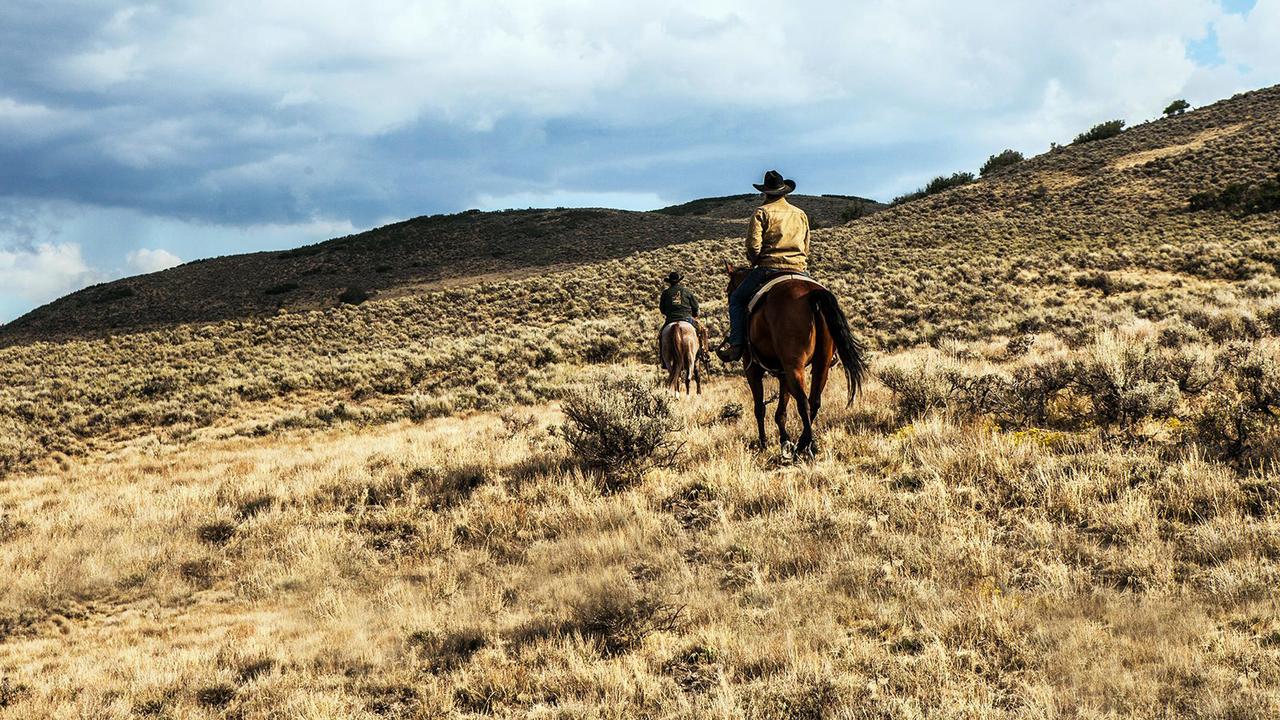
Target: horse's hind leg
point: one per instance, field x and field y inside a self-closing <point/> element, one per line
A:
<point x="755" y="379"/>
<point x="780" y="415"/>
<point x="793" y="385"/>
<point x="817" y="383"/>
<point x="690" y="368"/>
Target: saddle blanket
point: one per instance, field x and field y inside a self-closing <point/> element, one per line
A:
<point x="765" y="288"/>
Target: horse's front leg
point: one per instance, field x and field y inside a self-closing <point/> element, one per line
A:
<point x="755" y="378"/>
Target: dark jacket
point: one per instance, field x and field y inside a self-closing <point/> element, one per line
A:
<point x="678" y="303"/>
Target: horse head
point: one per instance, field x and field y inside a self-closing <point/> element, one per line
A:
<point x="736" y="276"/>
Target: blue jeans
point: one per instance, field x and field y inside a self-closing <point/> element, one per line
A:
<point x="739" y="298"/>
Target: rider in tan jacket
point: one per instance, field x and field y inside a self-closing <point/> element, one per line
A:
<point x="777" y="242"/>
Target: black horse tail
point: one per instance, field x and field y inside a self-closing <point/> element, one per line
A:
<point x="852" y="355"/>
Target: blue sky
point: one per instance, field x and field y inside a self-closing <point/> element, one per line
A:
<point x="134" y="136"/>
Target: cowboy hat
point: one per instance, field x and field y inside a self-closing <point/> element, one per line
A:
<point x="775" y="185"/>
<point x="674" y="277"/>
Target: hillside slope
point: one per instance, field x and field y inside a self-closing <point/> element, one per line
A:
<point x="397" y="259"/>
<point x="823" y="210"/>
<point x="1014" y="254"/>
<point x="402" y="256"/>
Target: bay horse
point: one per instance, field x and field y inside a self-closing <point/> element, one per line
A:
<point x="798" y="324"/>
<point x="680" y="347"/>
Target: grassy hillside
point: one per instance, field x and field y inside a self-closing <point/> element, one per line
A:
<point x="823" y="210"/>
<point x="399" y="258"/>
<point x="1060" y="495"/>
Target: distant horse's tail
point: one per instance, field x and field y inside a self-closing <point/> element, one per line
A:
<point x="851" y="353"/>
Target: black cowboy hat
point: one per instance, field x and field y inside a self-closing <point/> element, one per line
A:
<point x="775" y="185"/>
<point x="674" y="277"/>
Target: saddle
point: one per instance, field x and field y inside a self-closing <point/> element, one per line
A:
<point x="761" y="294"/>
<point x="765" y="288"/>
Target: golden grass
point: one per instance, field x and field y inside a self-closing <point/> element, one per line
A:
<point x="454" y="568"/>
<point x="1196" y="142"/>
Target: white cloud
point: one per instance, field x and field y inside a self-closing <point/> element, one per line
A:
<point x="470" y="63"/>
<point x="100" y="69"/>
<point x="1251" y="40"/>
<point x="147" y="260"/>
<point x="23" y="121"/>
<point x="41" y="273"/>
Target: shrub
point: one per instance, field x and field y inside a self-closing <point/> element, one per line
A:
<point x="853" y="211"/>
<point x="16" y="450"/>
<point x="1000" y="161"/>
<point x="621" y="615"/>
<point x="602" y="349"/>
<point x="1177" y="107"/>
<point x="622" y="428"/>
<point x="1128" y="381"/>
<point x="353" y="296"/>
<point x="936" y="185"/>
<point x="425" y="407"/>
<point x="696" y="668"/>
<point x="443" y="652"/>
<point x="1032" y="389"/>
<point x="111" y="293"/>
<point x="1239" y="197"/>
<point x="1101" y="131"/>
<point x="282" y="288"/>
<point x="916" y="390"/>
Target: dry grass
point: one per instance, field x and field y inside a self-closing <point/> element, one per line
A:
<point x="470" y="567"/>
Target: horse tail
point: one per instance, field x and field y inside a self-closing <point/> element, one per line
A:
<point x="852" y="355"/>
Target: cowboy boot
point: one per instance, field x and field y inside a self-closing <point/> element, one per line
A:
<point x="730" y="353"/>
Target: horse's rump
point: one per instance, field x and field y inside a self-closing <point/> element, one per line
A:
<point x="807" y="318"/>
<point x="678" y="341"/>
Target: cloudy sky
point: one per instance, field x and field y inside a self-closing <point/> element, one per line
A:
<point x="137" y="136"/>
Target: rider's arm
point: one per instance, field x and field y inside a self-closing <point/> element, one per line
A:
<point x="755" y="236"/>
<point x="664" y="305"/>
<point x="693" y="304"/>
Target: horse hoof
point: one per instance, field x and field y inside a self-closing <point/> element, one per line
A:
<point x="788" y="450"/>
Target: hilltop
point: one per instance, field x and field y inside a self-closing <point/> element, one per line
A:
<point x="823" y="210"/>
<point x="403" y="257"/>
<point x="399" y="259"/>
<point x="1059" y="495"/>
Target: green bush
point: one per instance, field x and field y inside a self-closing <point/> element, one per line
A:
<point x="1101" y="131"/>
<point x="937" y="185"/>
<point x="1177" y="107"/>
<point x="622" y="429"/>
<point x="1240" y="197"/>
<point x="999" y="161"/>
<point x="853" y="211"/>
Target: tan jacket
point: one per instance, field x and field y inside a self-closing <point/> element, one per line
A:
<point x="779" y="236"/>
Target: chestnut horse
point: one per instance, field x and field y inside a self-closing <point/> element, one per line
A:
<point x="797" y="325"/>
<point x="680" y="347"/>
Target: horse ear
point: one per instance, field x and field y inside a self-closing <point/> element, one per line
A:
<point x="728" y="268"/>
